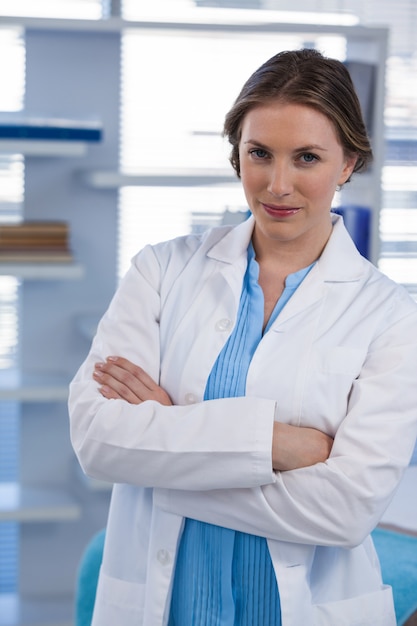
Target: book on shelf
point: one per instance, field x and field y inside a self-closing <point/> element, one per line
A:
<point x="35" y="241"/>
<point x="40" y="243"/>
<point x="33" y="230"/>
<point x="35" y="256"/>
<point x="14" y="127"/>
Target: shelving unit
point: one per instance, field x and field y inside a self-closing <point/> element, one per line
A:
<point x="58" y="512"/>
<point x="61" y="303"/>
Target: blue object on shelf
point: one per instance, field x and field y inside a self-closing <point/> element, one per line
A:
<point x="49" y="129"/>
<point x="357" y="220"/>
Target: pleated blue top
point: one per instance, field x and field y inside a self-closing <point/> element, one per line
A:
<point x="224" y="577"/>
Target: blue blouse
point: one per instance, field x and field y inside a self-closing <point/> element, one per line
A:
<point x="225" y="577"/>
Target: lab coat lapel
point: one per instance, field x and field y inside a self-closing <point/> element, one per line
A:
<point x="232" y="251"/>
<point x="340" y="262"/>
<point x="311" y="290"/>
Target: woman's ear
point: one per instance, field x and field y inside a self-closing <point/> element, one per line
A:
<point x="348" y="168"/>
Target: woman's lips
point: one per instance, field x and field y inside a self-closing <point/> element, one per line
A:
<point x="280" y="211"/>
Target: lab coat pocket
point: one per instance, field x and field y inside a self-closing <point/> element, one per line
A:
<point x="118" y="602"/>
<point x="371" y="609"/>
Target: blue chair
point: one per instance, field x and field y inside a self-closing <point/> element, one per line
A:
<point x="87" y="578"/>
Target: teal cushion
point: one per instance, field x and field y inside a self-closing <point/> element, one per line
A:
<point x="398" y="556"/>
<point x="87" y="578"/>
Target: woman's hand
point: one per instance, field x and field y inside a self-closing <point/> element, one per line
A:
<point x="121" y="379"/>
<point x="294" y="447"/>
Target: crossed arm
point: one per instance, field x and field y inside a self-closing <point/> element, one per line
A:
<point x="293" y="447"/>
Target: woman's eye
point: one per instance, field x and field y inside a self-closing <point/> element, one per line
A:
<point x="258" y="153"/>
<point x="308" y="157"/>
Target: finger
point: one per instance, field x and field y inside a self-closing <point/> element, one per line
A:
<point x="129" y="381"/>
<point x="134" y="377"/>
<point x="116" y="381"/>
<point x="119" y="372"/>
<point x="109" y="393"/>
<point x="135" y="370"/>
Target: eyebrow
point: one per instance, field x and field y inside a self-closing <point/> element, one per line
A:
<point x="307" y="148"/>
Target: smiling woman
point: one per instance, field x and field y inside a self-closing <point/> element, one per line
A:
<point x="250" y="390"/>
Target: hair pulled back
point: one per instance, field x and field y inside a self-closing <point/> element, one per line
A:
<point x="304" y="77"/>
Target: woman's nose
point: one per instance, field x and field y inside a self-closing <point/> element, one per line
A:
<point x="280" y="180"/>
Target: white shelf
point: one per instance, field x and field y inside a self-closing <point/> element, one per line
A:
<point x="183" y="177"/>
<point x="17" y="612"/>
<point x="37" y="147"/>
<point x="32" y="504"/>
<point x="31" y="387"/>
<point x="42" y="271"/>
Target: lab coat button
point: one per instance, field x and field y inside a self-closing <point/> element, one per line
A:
<point x="189" y="398"/>
<point x="223" y="325"/>
<point x="163" y="557"/>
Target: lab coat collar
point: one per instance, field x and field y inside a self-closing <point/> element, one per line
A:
<point x="234" y="244"/>
<point x="339" y="262"/>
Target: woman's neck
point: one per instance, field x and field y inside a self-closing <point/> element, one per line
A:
<point x="290" y="256"/>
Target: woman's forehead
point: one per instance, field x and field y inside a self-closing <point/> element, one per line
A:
<point x="291" y="121"/>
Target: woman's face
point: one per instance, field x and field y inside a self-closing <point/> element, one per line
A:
<point x="291" y="163"/>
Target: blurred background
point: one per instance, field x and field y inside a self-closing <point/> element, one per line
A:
<point x="110" y="138"/>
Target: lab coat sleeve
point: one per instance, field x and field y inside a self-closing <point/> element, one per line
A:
<point x="208" y="445"/>
<point x="340" y="501"/>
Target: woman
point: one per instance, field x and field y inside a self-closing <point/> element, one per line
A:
<point x="251" y="391"/>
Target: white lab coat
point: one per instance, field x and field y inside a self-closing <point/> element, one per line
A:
<point x="341" y="357"/>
